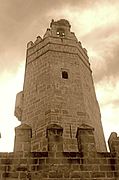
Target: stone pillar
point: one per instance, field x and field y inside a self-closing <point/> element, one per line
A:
<point x="86" y="140"/>
<point x="55" y="139"/>
<point x="113" y="142"/>
<point x="23" y="134"/>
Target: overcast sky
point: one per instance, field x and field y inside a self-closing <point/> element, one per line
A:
<point x="96" y="25"/>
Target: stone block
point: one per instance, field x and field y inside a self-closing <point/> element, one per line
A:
<point x="55" y="140"/>
<point x="114" y="143"/>
<point x="23" y="134"/>
<point x="86" y="140"/>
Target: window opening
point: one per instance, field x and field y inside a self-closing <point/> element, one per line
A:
<point x="60" y="32"/>
<point x="64" y="75"/>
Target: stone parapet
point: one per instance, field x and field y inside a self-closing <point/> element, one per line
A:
<point x="114" y="143"/>
<point x="55" y="139"/>
<point x="86" y="140"/>
<point x="56" y="164"/>
<point x="23" y="134"/>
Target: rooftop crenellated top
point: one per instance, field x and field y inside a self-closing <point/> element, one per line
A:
<point x="60" y="28"/>
<point x="61" y="22"/>
<point x="58" y="33"/>
<point x="50" y="43"/>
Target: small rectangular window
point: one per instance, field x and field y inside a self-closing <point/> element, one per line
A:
<point x="64" y="74"/>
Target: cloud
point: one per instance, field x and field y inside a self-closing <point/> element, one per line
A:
<point x="107" y="65"/>
<point x="107" y="92"/>
<point x="17" y="16"/>
<point x="20" y="22"/>
<point x="10" y="84"/>
<point x="103" y="46"/>
<point x="110" y="120"/>
<point x="108" y="96"/>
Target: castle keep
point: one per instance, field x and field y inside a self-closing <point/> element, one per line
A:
<point x="61" y="135"/>
<point x="58" y="88"/>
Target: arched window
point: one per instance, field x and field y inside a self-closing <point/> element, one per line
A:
<point x="64" y="74"/>
<point x="60" y="32"/>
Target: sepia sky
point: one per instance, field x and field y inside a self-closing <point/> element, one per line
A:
<point x="96" y="25"/>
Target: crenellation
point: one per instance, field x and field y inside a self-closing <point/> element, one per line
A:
<point x="73" y="49"/>
<point x="30" y="44"/>
<point x="114" y="143"/>
<point x="38" y="39"/>
<point x="85" y="51"/>
<point x="48" y="33"/>
<point x="23" y="135"/>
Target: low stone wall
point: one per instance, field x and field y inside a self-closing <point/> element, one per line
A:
<point x="87" y="164"/>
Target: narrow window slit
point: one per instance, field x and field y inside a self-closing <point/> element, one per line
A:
<point x="64" y="75"/>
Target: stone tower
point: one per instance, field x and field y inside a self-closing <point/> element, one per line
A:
<point x="58" y="88"/>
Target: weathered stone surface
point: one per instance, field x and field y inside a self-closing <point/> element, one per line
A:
<point x="23" y="135"/>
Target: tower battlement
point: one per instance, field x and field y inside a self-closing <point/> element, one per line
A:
<point x="87" y="163"/>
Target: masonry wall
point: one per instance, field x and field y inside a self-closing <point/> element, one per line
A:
<point x="49" y="98"/>
<point x="55" y="164"/>
<point x="64" y="166"/>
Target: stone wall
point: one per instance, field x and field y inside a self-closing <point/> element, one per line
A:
<point x="86" y="164"/>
